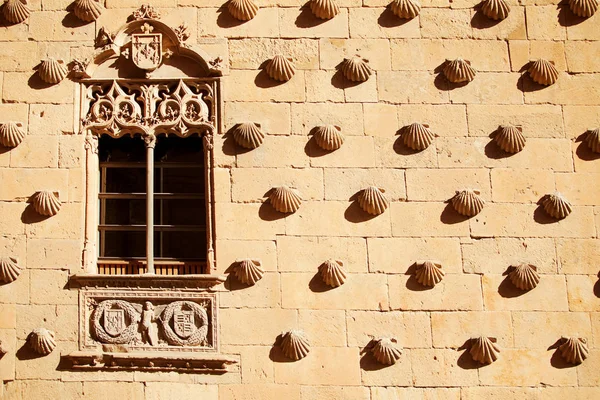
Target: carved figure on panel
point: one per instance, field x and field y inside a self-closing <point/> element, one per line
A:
<point x="149" y="333"/>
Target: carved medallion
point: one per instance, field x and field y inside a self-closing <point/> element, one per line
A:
<point x="190" y="323"/>
<point x="114" y="322"/>
<point x="183" y="322"/>
<point x="146" y="50"/>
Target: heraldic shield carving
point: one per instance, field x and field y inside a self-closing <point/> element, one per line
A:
<point x="146" y="50"/>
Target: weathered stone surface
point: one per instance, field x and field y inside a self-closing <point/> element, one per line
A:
<point x="359" y="292"/>
<point x="251" y="85"/>
<point x="235" y="324"/>
<point x="263" y="391"/>
<point x="325" y="328"/>
<point x="343" y="184"/>
<point x="265" y="293"/>
<point x="255" y="364"/>
<point x="455" y="292"/>
<point x="582" y="290"/>
<point x="398" y="374"/>
<point x="306" y="116"/>
<point x="319" y="88"/>
<point x="536" y="120"/>
<point x="376" y="23"/>
<point x="575" y="393"/>
<point x="489" y="88"/>
<point x="500" y="294"/>
<point x="418" y="219"/>
<point x="324" y="366"/>
<point x="18" y="56"/>
<point x="243" y="221"/>
<point x="333" y="51"/>
<point x="67" y="224"/>
<point x="252" y="53"/>
<point x="356" y="152"/>
<point x="8" y="316"/>
<point x="390" y="152"/>
<point x="444" y="24"/>
<point x="40" y="389"/>
<point x="57" y="318"/>
<point x="583" y="89"/>
<point x="294" y="24"/>
<point x="380" y="120"/>
<point x="274" y="118"/>
<point x="410" y="87"/>
<point x="580" y="189"/>
<point x="442" y="184"/>
<point x="35" y="152"/>
<point x="513" y="27"/>
<point x="8" y="361"/>
<point x="540" y="330"/>
<point x="58" y="26"/>
<point x="443" y="120"/>
<point x="99" y="390"/>
<point x="500" y="393"/>
<point x="578" y="256"/>
<point x="48" y="287"/>
<point x="586" y="30"/>
<point x="521" y="185"/>
<point x="51" y="119"/>
<point x="276" y="152"/>
<point x="410" y="329"/>
<point x="231" y="250"/>
<point x="165" y="391"/>
<point x="438" y="367"/>
<point x="542" y="24"/>
<point x="393" y="393"/>
<point x="252" y="184"/>
<point x="21" y="183"/>
<point x="219" y="23"/>
<point x="334" y="392"/>
<point x="453" y="329"/>
<point x="16" y="292"/>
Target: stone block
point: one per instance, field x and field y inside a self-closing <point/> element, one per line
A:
<point x="536" y="120"/>
<point x="579" y="119"/>
<point x="306" y="254"/>
<point x="410" y="329"/>
<point x="166" y="391"/>
<point x="542" y="24"/>
<point x="418" y="219"/>
<point x="265" y="293"/>
<point x="58" y="26"/>
<point x="323" y="366"/>
<point x="375" y="374"/>
<point x="574" y="393"/>
<point x="521" y="185"/>
<point x="22" y="183"/>
<point x="397" y="255"/>
<point x="439" y="367"/>
<point x="262" y="391"/>
<point x="35" y="152"/>
<point x="18" y="56"/>
<point x="499" y="294"/>
<point x="336" y="218"/>
<point x="32" y="366"/>
<point x="276" y="152"/>
<point x="494" y="256"/>
<point x="483" y="152"/>
<point x="71" y="153"/>
<point x="540" y="330"/>
<point x="441" y="185"/>
<point x="500" y="393"/>
<point x="334" y="392"/>
<point x="513" y="27"/>
<point x="343" y="184"/>
<point x="583" y="292"/>
<point x="25" y="87"/>
<point x="530" y="221"/>
<point x="305" y="117"/>
<point x="294" y="23"/>
<point x="251" y="53"/>
<point x="380" y="120"/>
<point x="8" y="360"/>
<point x="580" y="189"/>
<point x="42" y="389"/>
<point x="51" y="119"/>
<point x="221" y="185"/>
<point x="454" y="292"/>
<point x="14" y="112"/>
<point x="123" y="390"/>
<point x="365" y="92"/>
<point x="429" y="54"/>
<point x="381" y="23"/>
<point x="334" y="51"/>
<point x="320" y="87"/>
<point x="218" y="22"/>
<point x="16" y="292"/>
<point x="67" y="224"/>
<point x="253" y="184"/>
<point x="274" y="118"/>
<point x="578" y="256"/>
<point x="488" y="88"/>
<point x="585" y="30"/>
<point x="411" y="87"/>
<point x="326" y="328"/>
<point x="438" y="23"/>
<point x="240" y="327"/>
<point x="228" y="251"/>
<point x="247" y="221"/>
<point x="8" y="316"/>
<point x="59" y="319"/>
<point x="10" y="223"/>
<point x="356" y="152"/>
<point x="252" y="85"/>
<point x="51" y="287"/>
<point x="454" y="329"/>
<point x="390" y="152"/>
<point x="443" y="120"/>
<point x="255" y="364"/>
<point x="360" y="292"/>
<point x="394" y="393"/>
<point x="587" y="373"/>
<point x="583" y="89"/>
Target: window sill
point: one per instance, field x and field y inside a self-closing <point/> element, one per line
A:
<point x="146" y="281"/>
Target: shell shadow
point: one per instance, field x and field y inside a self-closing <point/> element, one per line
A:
<point x="566" y="17"/>
<point x="230" y="147"/>
<point x="480" y="21"/>
<point x="506" y="288"/>
<point x="465" y="360"/>
<point x="368" y="362"/>
<point x="35" y="82"/>
<point x="71" y="21"/>
<point x="526" y="84"/>
<point x="232" y="283"/>
<point x="25" y="352"/>
<point x="339" y="81"/>
<point x="264" y="81"/>
<point x="442" y="83"/>
<point x="413" y="285"/>
<point x="276" y="353"/>
<point x="312" y="149"/>
<point x="306" y="19"/>
<point x="225" y="19"/>
<point x="541" y="216"/>
<point x="354" y="213"/>
<point x="316" y="284"/>
<point x="266" y="212"/>
<point x="583" y="151"/>
<point x="402" y="149"/>
<point x="30" y="216"/>
<point x="387" y="19"/>
<point x="449" y="216"/>
<point x="493" y="151"/>
<point x="597" y="287"/>
<point x="557" y="361"/>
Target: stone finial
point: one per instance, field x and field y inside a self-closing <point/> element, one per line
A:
<point x="583" y="8"/>
<point x="146" y="11"/>
<point x="248" y="135"/>
<point x="429" y="273"/>
<point x="46" y="203"/>
<point x="459" y="71"/>
<point x="324" y="9"/>
<point x="406" y="9"/>
<point x="329" y="137"/>
<point x="573" y="349"/>
<point x="417" y="136"/>
<point x="16" y="11"/>
<point x="592" y="139"/>
<point x="333" y="273"/>
<point x="556" y="205"/>
<point x="285" y="199"/>
<point x="42" y="341"/>
<point x="484" y="349"/>
<point x="248" y="271"/>
<point x="11" y="133"/>
<point x="524" y="276"/>
<point x="280" y="68"/>
<point x="385" y="350"/>
<point x="242" y="10"/>
<point x="295" y="345"/>
<point x="510" y="138"/>
<point x="356" y="69"/>
<point x="495" y="9"/>
<point x="53" y="71"/>
<point x="373" y="201"/>
<point x="87" y="10"/>
<point x="9" y="269"/>
<point x="543" y="72"/>
<point x="467" y="202"/>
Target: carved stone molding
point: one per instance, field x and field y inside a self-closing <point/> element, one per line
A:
<point x="184" y="282"/>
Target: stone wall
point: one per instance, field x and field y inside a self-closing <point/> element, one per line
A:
<point x="380" y="297"/>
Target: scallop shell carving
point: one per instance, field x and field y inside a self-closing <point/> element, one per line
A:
<point x="53" y="71"/>
<point x="333" y="273"/>
<point x="385" y="351"/>
<point x="593" y="140"/>
<point x="242" y="10"/>
<point x="285" y="199"/>
<point x="329" y="137"/>
<point x="467" y="202"/>
<point x="280" y="68"/>
<point x="11" y="134"/>
<point x="524" y="276"/>
<point x="417" y="136"/>
<point x="87" y="10"/>
<point x="356" y="69"/>
<point x="16" y="11"/>
<point x="9" y="269"/>
<point x="46" y="203"/>
<point x="248" y="135"/>
<point x="583" y="8"/>
<point x="556" y="205"/>
<point x="495" y="9"/>
<point x="248" y="271"/>
<point x="42" y="341"/>
<point x="510" y="138"/>
<point x="295" y="345"/>
<point x="458" y="71"/>
<point x="373" y="200"/>
<point x="574" y="350"/>
<point x="407" y="9"/>
<point x="324" y="9"/>
<point x="429" y="273"/>
<point x="543" y="72"/>
<point x="484" y="349"/>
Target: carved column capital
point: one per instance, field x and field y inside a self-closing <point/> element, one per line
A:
<point x="91" y="143"/>
<point x="208" y="141"/>
<point x="150" y="140"/>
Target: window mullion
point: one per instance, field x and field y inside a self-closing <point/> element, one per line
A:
<point x="150" y="140"/>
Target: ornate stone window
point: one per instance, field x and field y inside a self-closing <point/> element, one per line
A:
<point x="150" y="105"/>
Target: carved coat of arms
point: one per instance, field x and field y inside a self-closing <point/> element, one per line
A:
<point x="146" y="50"/>
<point x="184" y="323"/>
<point x="114" y="321"/>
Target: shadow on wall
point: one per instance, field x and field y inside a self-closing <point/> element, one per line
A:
<point x="225" y="20"/>
<point x="465" y="361"/>
<point x="276" y="353"/>
<point x="306" y="19"/>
